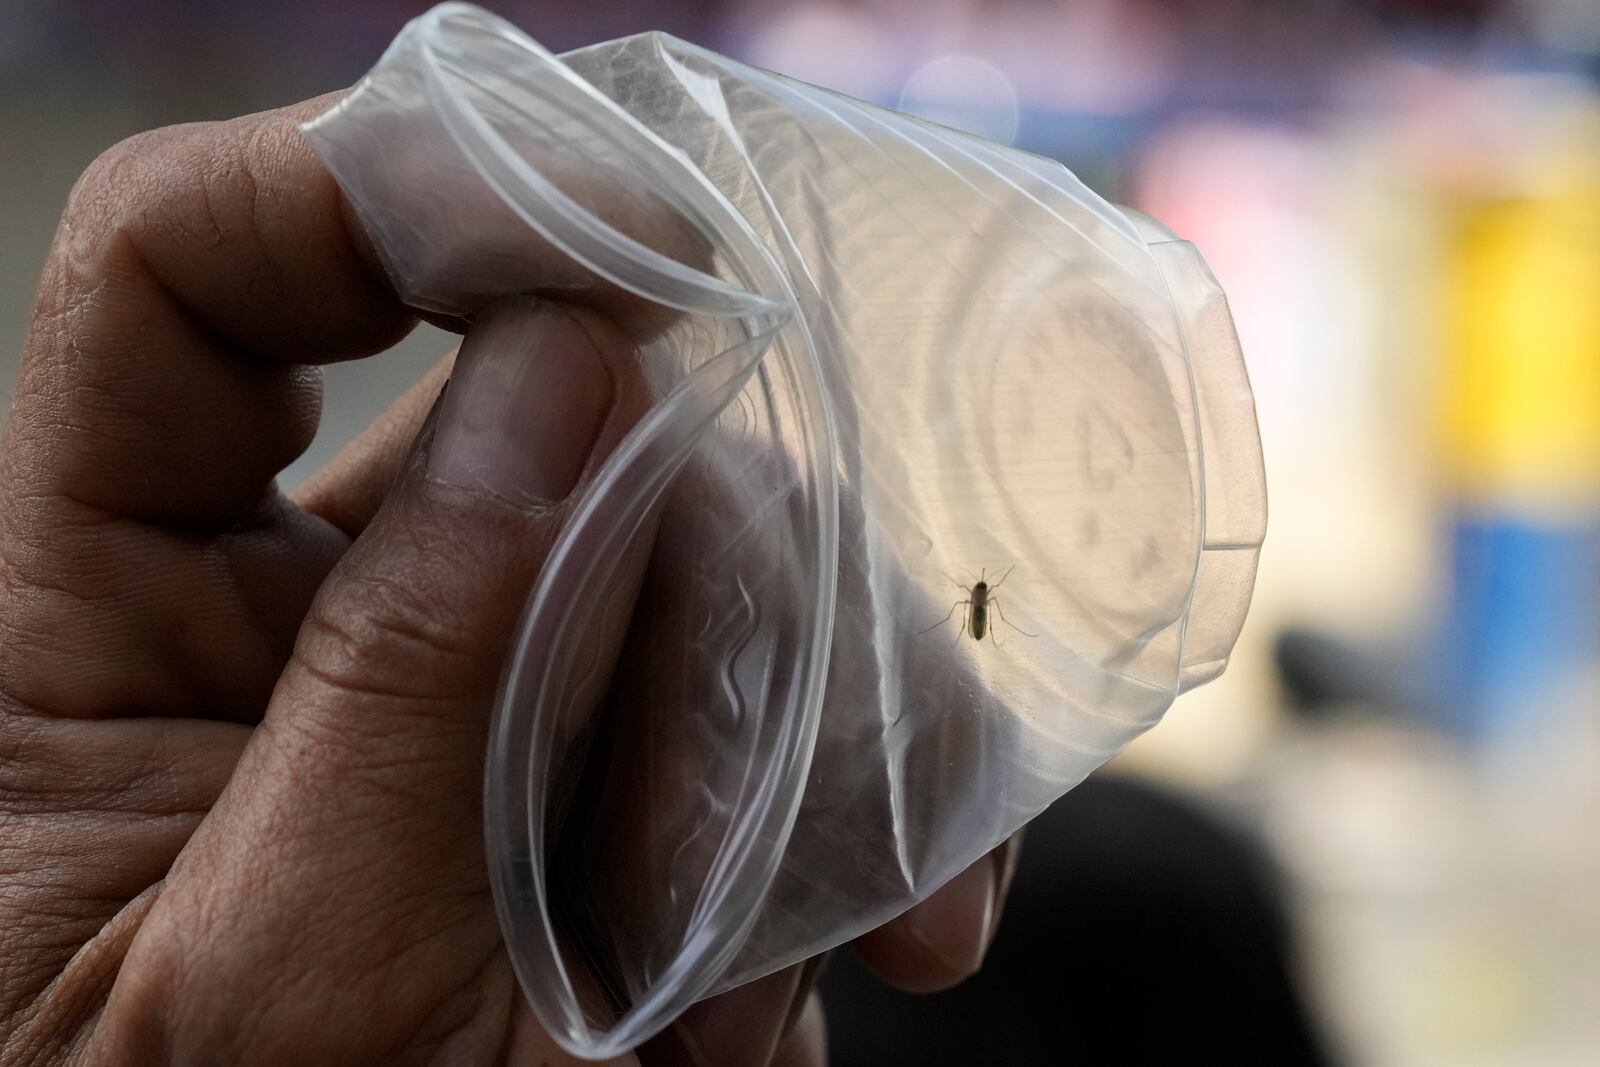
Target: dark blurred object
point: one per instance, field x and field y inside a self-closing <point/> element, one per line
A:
<point x="1319" y="671"/>
<point x="1139" y="930"/>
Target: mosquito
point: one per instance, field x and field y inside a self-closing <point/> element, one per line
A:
<point x="980" y="598"/>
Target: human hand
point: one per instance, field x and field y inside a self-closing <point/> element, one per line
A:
<point x="242" y="734"/>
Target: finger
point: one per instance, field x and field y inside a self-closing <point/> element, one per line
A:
<point x="349" y="489"/>
<point x="742" y="1027"/>
<point x="532" y="1045"/>
<point x="197" y="270"/>
<point x="353" y="825"/>
<point x="149" y="565"/>
<point x="102" y="617"/>
<point x="942" y="941"/>
<point x="807" y="1043"/>
<point x="147" y="562"/>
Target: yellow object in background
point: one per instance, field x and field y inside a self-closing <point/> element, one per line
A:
<point x="1521" y="378"/>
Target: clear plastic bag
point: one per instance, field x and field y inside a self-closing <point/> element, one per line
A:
<point x="904" y="376"/>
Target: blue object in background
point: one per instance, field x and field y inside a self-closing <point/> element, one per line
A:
<point x="1523" y="617"/>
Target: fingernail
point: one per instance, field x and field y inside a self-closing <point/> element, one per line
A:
<point x="954" y="924"/>
<point x="525" y="404"/>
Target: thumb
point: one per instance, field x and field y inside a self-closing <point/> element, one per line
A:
<point x="405" y="642"/>
<point x="344" y="863"/>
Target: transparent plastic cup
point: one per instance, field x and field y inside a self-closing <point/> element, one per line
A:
<point x="951" y="485"/>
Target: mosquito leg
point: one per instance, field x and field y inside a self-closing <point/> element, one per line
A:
<point x="944" y="620"/>
<point x="1002" y="578"/>
<point x="1007" y="621"/>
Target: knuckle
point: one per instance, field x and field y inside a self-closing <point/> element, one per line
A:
<point x="378" y="638"/>
<point x="101" y="174"/>
<point x="100" y="193"/>
<point x="128" y="191"/>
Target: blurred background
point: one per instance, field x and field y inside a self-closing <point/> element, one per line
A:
<point x="1402" y="200"/>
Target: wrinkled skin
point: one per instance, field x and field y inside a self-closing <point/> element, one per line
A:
<point x="242" y="734"/>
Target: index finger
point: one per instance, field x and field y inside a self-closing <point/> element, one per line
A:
<point x="196" y="271"/>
